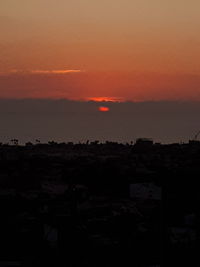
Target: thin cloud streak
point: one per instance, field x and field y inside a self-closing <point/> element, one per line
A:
<point x="54" y="71"/>
<point x="35" y="72"/>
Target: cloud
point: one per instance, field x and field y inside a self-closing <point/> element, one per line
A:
<point x="35" y="72"/>
<point x="106" y="99"/>
<point x="64" y="120"/>
<point x="54" y="71"/>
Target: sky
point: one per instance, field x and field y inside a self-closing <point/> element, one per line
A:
<point x="137" y="50"/>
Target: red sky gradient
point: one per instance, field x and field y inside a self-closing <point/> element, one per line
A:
<point x="122" y="49"/>
<point x="97" y="86"/>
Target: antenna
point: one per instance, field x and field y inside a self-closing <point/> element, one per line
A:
<point x="196" y="135"/>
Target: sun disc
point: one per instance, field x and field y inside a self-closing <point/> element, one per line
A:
<point x="103" y="109"/>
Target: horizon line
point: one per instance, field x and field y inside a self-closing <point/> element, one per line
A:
<point x="99" y="100"/>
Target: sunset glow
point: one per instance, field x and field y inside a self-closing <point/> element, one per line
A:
<point x="105" y="99"/>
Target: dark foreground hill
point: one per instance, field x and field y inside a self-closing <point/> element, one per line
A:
<point x="99" y="204"/>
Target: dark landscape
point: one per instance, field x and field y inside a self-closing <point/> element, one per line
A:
<point x="99" y="204"/>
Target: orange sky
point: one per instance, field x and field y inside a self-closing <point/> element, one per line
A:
<point x="137" y="50"/>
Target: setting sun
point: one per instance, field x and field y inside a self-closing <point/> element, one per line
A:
<point x="103" y="109"/>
